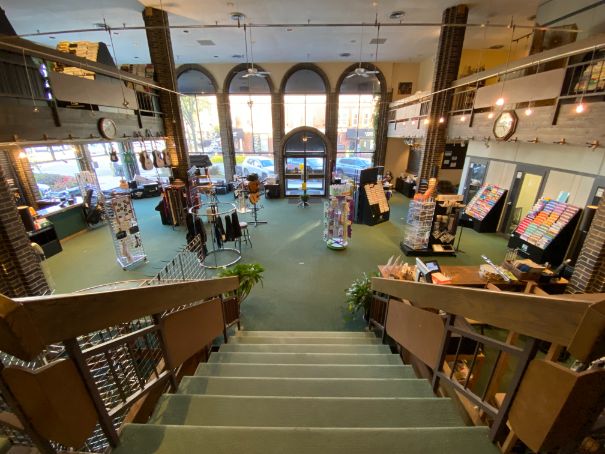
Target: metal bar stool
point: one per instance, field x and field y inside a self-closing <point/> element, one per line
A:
<point x="245" y="235"/>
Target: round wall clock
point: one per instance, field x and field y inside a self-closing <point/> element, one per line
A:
<point x="107" y="128"/>
<point x="505" y="125"/>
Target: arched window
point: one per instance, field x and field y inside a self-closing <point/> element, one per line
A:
<point x="358" y="109"/>
<point x="200" y="115"/>
<point x="305" y="100"/>
<point x="305" y="160"/>
<point x="252" y="127"/>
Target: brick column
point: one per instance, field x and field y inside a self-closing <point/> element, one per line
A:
<point x="23" y="172"/>
<point x="382" y="129"/>
<point x="589" y="272"/>
<point x="162" y="58"/>
<point x="446" y="71"/>
<point x="20" y="271"/>
<point x="331" y="127"/>
<point x="277" y="112"/>
<point x="224" y="121"/>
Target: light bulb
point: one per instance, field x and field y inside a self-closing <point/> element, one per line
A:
<point x="490" y="115"/>
<point x="462" y="118"/>
<point x="528" y="111"/>
<point x="22" y="155"/>
<point x="441" y="120"/>
<point x="580" y="108"/>
<point x="426" y="121"/>
<point x="500" y="101"/>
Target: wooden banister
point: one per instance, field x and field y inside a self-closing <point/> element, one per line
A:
<point x="27" y="325"/>
<point x="551" y="318"/>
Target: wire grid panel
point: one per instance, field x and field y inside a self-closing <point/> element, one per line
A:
<point x="185" y="266"/>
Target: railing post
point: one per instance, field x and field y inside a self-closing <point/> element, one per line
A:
<point x="157" y="319"/>
<point x="225" y="335"/>
<point x="75" y="353"/>
<point x="384" y="322"/>
<point x="39" y="441"/>
<point x="529" y="352"/>
<point x="449" y="321"/>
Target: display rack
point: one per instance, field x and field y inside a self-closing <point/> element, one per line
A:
<point x="420" y="221"/>
<point x="544" y="234"/>
<point x="375" y="207"/>
<point x="175" y="204"/>
<point x="485" y="208"/>
<point x="445" y="224"/>
<point x="124" y="228"/>
<point x="338" y="217"/>
<point x="220" y="256"/>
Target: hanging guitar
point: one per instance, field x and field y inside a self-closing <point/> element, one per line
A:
<point x="113" y="155"/>
<point x="158" y="158"/>
<point x="145" y="158"/>
<point x="253" y="188"/>
<point x="167" y="158"/>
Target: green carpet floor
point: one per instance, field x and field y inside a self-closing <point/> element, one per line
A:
<point x="304" y="281"/>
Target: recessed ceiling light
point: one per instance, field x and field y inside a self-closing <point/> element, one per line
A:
<point x="496" y="46"/>
<point x="397" y="15"/>
<point x="52" y="37"/>
<point x="205" y="42"/>
<point x="237" y="56"/>
<point x="216" y="56"/>
<point x="353" y="41"/>
<point x="185" y="31"/>
<point x="345" y="54"/>
<point x="288" y="29"/>
<point x="378" y="41"/>
<point x="115" y="33"/>
<point x="136" y="57"/>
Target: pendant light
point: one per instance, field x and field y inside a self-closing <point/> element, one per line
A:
<point x="500" y="100"/>
<point x="580" y="106"/>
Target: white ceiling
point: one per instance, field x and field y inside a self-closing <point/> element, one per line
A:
<point x="270" y="44"/>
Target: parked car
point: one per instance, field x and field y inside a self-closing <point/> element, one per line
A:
<point x="314" y="165"/>
<point x="259" y="165"/>
<point x="351" y="167"/>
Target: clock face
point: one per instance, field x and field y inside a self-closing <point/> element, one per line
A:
<point x="107" y="128"/>
<point x="505" y="125"/>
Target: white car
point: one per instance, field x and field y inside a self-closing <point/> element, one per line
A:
<point x="259" y="165"/>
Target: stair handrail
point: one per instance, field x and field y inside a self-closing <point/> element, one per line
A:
<point x="28" y="325"/>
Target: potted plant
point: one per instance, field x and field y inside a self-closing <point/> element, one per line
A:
<point x="249" y="275"/>
<point x="359" y="295"/>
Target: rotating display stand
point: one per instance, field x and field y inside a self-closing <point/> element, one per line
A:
<point x="338" y="217"/>
<point x="123" y="224"/>
<point x="219" y="256"/>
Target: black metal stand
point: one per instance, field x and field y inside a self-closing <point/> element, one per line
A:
<point x="459" y="238"/>
<point x="256" y="222"/>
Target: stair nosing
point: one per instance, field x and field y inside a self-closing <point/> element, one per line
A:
<point x="205" y="396"/>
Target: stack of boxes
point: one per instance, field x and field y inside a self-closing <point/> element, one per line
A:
<point x="83" y="49"/>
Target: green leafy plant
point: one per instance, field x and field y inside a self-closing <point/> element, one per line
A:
<point x="249" y="275"/>
<point x="359" y="295"/>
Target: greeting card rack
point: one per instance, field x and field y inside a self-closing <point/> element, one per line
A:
<point x="338" y="217"/>
<point x="124" y="228"/>
<point x="419" y="223"/>
<point x="484" y="210"/>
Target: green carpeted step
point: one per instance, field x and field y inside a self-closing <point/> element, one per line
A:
<point x="154" y="439"/>
<point x="304" y="340"/>
<point x="305" y="358"/>
<point x="306" y="387"/>
<point x="345" y="334"/>
<point x="305" y="348"/>
<point x="247" y="411"/>
<point x="304" y="371"/>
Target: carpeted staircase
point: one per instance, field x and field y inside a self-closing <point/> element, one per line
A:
<point x="268" y="392"/>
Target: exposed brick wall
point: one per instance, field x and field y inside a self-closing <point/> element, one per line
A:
<point x="277" y="111"/>
<point x="447" y="62"/>
<point x="162" y="58"/>
<point x="20" y="271"/>
<point x="224" y="121"/>
<point x="331" y="127"/>
<point x="382" y="129"/>
<point x="589" y="272"/>
<point x="24" y="173"/>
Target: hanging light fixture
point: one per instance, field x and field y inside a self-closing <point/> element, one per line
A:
<point x="580" y="106"/>
<point x="22" y="155"/>
<point x="500" y="100"/>
<point x="490" y="115"/>
<point x="463" y="118"/>
<point x="529" y="110"/>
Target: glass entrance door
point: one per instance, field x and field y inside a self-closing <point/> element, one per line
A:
<point x="305" y="160"/>
<point x="474" y="178"/>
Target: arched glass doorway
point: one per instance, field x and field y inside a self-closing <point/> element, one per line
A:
<point x="305" y="160"/>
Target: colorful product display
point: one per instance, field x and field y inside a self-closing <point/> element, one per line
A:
<point x="338" y="217"/>
<point x="545" y="221"/>
<point x="483" y="201"/>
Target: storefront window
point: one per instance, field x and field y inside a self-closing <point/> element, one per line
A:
<point x="305" y="101"/>
<point x="200" y="117"/>
<point x="358" y="107"/>
<point x="55" y="168"/>
<point x="252" y="126"/>
<point x="109" y="173"/>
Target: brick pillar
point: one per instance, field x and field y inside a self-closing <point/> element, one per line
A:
<point x="277" y="112"/>
<point x="446" y="71"/>
<point x="162" y="58"/>
<point x="224" y="121"/>
<point x="331" y="128"/>
<point x="21" y="170"/>
<point x="20" y="271"/>
<point x="382" y="129"/>
<point x="589" y="272"/>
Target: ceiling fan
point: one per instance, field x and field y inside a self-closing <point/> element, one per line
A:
<point x="360" y="71"/>
<point x="252" y="71"/>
